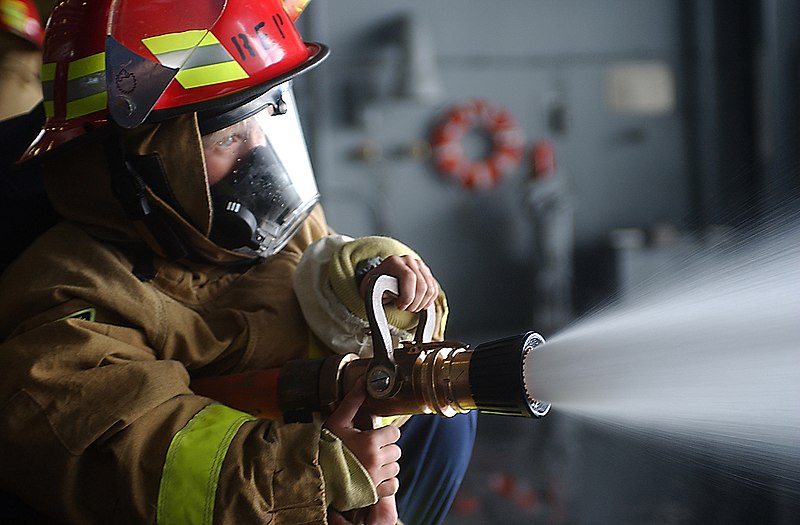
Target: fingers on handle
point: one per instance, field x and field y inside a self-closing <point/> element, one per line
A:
<point x="334" y="518"/>
<point x="344" y="414"/>
<point x="386" y="435"/>
<point x="386" y="469"/>
<point x="407" y="284"/>
<point x="427" y="288"/>
<point x="388" y="487"/>
<point x="383" y="513"/>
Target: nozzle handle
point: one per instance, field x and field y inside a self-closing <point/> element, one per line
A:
<point x="382" y="373"/>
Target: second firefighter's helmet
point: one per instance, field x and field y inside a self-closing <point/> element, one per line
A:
<point x="21" y="18"/>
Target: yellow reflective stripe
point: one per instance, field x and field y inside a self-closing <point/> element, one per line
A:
<point x="190" y="475"/>
<point x="199" y="68"/>
<point x="87" y="314"/>
<point x="86" y="105"/>
<point x="295" y="7"/>
<point x="178" y="41"/>
<point x="15" y="15"/>
<point x="48" y="72"/>
<point x="47" y="76"/>
<point x="208" y="75"/>
<point x="87" y="66"/>
<point x="209" y="39"/>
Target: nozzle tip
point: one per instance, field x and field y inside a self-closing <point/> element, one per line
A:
<point x="497" y="377"/>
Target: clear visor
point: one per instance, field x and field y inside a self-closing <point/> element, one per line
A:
<point x="262" y="183"/>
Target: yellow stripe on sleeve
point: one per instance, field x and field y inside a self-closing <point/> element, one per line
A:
<point x="190" y="475"/>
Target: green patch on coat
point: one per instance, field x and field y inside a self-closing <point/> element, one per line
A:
<point x="87" y="314"/>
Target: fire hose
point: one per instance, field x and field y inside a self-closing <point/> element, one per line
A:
<point x="419" y="377"/>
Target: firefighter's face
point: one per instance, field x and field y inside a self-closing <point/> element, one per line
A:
<point x="260" y="179"/>
<point x="225" y="148"/>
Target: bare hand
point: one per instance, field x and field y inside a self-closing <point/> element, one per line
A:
<point x="418" y="289"/>
<point x="382" y="513"/>
<point x="375" y="449"/>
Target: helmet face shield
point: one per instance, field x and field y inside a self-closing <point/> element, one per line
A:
<point x="261" y="179"/>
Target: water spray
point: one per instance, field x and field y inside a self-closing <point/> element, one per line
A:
<point x="708" y="364"/>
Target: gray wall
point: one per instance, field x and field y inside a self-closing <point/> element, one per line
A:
<point x="527" y="55"/>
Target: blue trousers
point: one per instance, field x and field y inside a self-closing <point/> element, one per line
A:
<point x="436" y="453"/>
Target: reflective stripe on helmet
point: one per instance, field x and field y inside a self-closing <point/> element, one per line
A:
<point x="202" y="60"/>
<point x="191" y="470"/>
<point x="48" y="75"/>
<point x="86" y="85"/>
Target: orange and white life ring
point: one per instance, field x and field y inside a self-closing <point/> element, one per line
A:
<point x="505" y="153"/>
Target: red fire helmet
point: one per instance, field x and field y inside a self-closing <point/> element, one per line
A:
<point x="132" y="61"/>
<point x="21" y="18"/>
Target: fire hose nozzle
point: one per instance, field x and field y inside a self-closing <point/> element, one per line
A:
<point x="448" y="378"/>
<point x="419" y="377"/>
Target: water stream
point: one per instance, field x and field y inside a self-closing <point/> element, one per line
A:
<point x="709" y="361"/>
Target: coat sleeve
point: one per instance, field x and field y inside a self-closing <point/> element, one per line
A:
<point x="93" y="429"/>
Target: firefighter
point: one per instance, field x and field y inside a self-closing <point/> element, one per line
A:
<point x="173" y="152"/>
<point x="21" y="36"/>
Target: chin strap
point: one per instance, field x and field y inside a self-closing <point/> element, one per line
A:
<point x="131" y="191"/>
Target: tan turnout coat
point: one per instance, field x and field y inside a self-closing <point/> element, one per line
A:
<point x="95" y="362"/>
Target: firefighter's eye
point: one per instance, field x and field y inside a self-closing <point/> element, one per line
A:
<point x="228" y="141"/>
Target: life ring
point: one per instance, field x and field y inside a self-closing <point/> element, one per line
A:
<point x="505" y="153"/>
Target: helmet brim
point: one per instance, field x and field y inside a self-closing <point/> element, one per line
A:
<point x="224" y="111"/>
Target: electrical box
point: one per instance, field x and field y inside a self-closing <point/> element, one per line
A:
<point x="641" y="88"/>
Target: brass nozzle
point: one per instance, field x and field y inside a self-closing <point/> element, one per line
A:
<point x="449" y="378"/>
